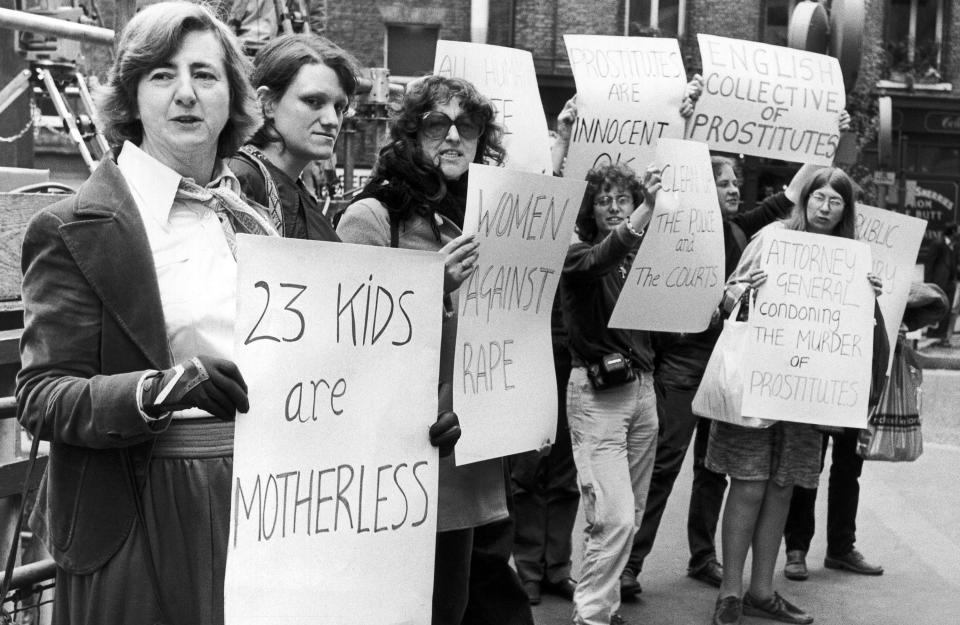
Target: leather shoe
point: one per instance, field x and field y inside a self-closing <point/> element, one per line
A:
<point x="776" y="608"/>
<point x="564" y="588"/>
<point x="629" y="586"/>
<point x="796" y="566"/>
<point x="852" y="561"/>
<point x="710" y="572"/>
<point x="533" y="592"/>
<point x="728" y="611"/>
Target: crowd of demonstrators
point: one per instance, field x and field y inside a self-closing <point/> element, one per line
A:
<point x="416" y="199"/>
<point x="764" y="464"/>
<point x="942" y="270"/>
<point x="304" y="85"/>
<point x="137" y="395"/>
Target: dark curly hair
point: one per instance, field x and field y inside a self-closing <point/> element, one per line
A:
<point x="150" y="39"/>
<point x="840" y="182"/>
<point x="404" y="179"/>
<point x="599" y="179"/>
<point x="278" y="62"/>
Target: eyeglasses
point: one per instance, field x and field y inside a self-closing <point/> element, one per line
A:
<point x="605" y="201"/>
<point x="435" y="126"/>
<point x="820" y="198"/>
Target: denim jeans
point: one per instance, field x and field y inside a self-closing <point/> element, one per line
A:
<point x="614" y="438"/>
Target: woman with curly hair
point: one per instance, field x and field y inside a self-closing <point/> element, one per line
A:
<point x="416" y="199"/>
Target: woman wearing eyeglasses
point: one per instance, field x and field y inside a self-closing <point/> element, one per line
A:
<point x="765" y="464"/>
<point x="416" y="199"/>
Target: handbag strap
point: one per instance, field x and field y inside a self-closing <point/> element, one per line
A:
<point x="15" y="542"/>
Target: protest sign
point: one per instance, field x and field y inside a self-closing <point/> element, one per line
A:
<point x="811" y="331"/>
<point x="334" y="480"/>
<point x="894" y="241"/>
<point x="629" y="91"/>
<point x="508" y="78"/>
<point x="504" y="379"/>
<point x="676" y="280"/>
<point x="768" y="101"/>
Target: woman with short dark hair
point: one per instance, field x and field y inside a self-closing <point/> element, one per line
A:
<point x="129" y="294"/>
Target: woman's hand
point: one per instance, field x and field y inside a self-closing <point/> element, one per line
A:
<point x="565" y="121"/>
<point x="844" y="121"/>
<point x="876" y="283"/>
<point x="756" y="278"/>
<point x="650" y="185"/>
<point x="445" y="433"/>
<point x="461" y="256"/>
<point x="690" y="96"/>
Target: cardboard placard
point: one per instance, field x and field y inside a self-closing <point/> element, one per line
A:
<point x="811" y="331"/>
<point x="334" y="478"/>
<point x="504" y="379"/>
<point x="677" y="280"/>
<point x="508" y="78"/>
<point x="767" y="100"/>
<point x="894" y="240"/>
<point x="629" y="91"/>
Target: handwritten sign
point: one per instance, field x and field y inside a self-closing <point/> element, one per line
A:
<point x="335" y="482"/>
<point x="677" y="276"/>
<point x="508" y="78"/>
<point x="894" y="241"/>
<point x="768" y="101"/>
<point x="811" y="331"/>
<point x="629" y="91"/>
<point x="504" y="380"/>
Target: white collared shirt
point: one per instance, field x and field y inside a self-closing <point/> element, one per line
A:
<point x="196" y="271"/>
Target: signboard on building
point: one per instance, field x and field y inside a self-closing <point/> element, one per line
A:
<point x="935" y="201"/>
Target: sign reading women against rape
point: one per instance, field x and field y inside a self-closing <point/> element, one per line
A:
<point x="894" y="241"/>
<point x="629" y="91"/>
<point x="504" y="380"/>
<point x="508" y="78"/>
<point x="676" y="280"/>
<point x="334" y="493"/>
<point x="768" y="101"/>
<point x="811" y="331"/>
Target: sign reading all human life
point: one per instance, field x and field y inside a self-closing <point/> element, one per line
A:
<point x="894" y="241"/>
<point x="506" y="76"/>
<point x="629" y="91"/>
<point x="810" y="345"/>
<point x="334" y="477"/>
<point x="504" y="380"/>
<point x="766" y="100"/>
<point x="676" y="280"/>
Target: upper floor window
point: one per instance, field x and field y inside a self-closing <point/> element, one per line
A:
<point x="411" y="48"/>
<point x="775" y="21"/>
<point x="914" y="37"/>
<point x="665" y="17"/>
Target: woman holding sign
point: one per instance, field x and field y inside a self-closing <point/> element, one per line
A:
<point x="129" y="292"/>
<point x="304" y="84"/>
<point x="416" y="199"/>
<point x="764" y="464"/>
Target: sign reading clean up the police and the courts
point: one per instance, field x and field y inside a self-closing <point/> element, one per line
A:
<point x="677" y="276"/>
<point x="769" y="101"/>
<point x="508" y="78"/>
<point x="811" y="330"/>
<point x="504" y="379"/>
<point x="334" y="479"/>
<point x="894" y="241"/>
<point x="629" y="91"/>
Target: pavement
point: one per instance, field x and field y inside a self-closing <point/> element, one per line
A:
<point x="934" y="355"/>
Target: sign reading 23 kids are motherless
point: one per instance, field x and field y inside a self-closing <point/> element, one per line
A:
<point x="766" y="100"/>
<point x="811" y="331"/>
<point x="504" y="385"/>
<point x="334" y="480"/>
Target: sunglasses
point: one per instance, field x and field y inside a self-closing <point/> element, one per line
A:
<point x="435" y="126"/>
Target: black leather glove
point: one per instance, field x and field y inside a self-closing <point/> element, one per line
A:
<point x="211" y="384"/>
<point x="445" y="432"/>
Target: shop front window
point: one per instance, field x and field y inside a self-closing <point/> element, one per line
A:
<point x="914" y="36"/>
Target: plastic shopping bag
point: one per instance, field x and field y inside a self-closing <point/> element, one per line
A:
<point x="893" y="432"/>
<point x="720" y="394"/>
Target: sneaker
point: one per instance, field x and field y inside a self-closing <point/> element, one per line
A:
<point x="629" y="586"/>
<point x="729" y="611"/>
<point x="796" y="566"/>
<point x="852" y="561"/>
<point x="616" y="619"/>
<point x="776" y="608"/>
<point x="710" y="572"/>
